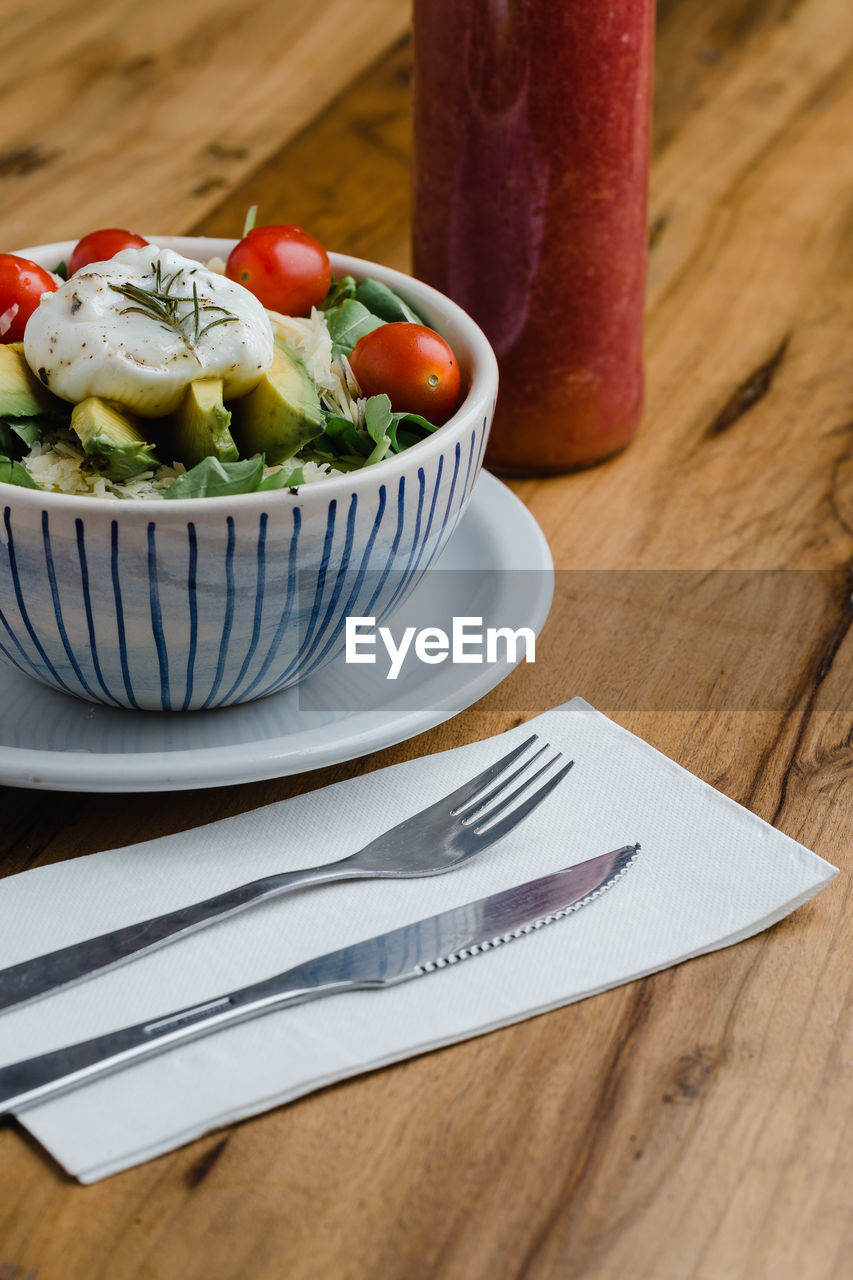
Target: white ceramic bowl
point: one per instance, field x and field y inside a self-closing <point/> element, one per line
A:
<point x="202" y="603"/>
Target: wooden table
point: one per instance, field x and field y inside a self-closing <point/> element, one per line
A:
<point x="688" y="1125"/>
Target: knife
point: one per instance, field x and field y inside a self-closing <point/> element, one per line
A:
<point x="383" y="961"/>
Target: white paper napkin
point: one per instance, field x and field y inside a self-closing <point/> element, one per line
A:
<point x="710" y="874"/>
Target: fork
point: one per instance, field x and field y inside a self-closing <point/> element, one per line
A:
<point x="439" y="838"/>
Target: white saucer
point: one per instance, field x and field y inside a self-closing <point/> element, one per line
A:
<point x="53" y="741"/>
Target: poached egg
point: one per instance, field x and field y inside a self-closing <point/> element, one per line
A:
<point x="136" y="330"/>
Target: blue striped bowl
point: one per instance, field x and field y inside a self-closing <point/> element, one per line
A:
<point x="188" y="605"/>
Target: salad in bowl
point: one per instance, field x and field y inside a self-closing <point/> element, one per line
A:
<point x="212" y="453"/>
<point x="150" y="374"/>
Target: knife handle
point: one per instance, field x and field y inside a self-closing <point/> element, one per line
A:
<point x="56" y="969"/>
<point x="22" y="1084"/>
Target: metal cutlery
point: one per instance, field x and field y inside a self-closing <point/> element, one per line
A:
<point x="439" y="838"/>
<point x="383" y="961"/>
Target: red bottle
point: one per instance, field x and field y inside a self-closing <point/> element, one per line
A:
<point x="531" y="138"/>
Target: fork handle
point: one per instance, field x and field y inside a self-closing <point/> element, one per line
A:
<point x="56" y="969"/>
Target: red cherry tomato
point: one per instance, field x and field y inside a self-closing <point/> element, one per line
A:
<point x="412" y="365"/>
<point x="284" y="267"/>
<point x="100" y="246"/>
<point x="21" y="285"/>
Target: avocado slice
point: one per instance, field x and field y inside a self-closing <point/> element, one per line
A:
<point x="280" y="414"/>
<point x="198" y="428"/>
<point x="111" y="439"/>
<point x="22" y="395"/>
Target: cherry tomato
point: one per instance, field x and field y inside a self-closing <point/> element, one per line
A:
<point x="21" y="285"/>
<point x="412" y="365"/>
<point x="284" y="267"/>
<point x="100" y="246"/>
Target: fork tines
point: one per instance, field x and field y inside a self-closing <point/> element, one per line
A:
<point x="479" y="803"/>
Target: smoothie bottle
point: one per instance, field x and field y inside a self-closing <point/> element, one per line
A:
<point x="531" y="146"/>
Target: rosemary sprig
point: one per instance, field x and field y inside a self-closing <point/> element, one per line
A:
<point x="213" y="323"/>
<point x="162" y="305"/>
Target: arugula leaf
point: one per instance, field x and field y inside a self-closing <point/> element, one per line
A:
<point x="347" y="323"/>
<point x="415" y="421"/>
<point x="211" y="478"/>
<point x="347" y="446"/>
<point x="10" y="445"/>
<point x="15" y="473"/>
<point x="380" y="425"/>
<point x="251" y="219"/>
<point x="383" y="302"/>
<point x="378" y="417"/>
<point x="401" y="430"/>
<point x="17" y="435"/>
<point x="339" y="291"/>
<point x="282" y="479"/>
<point x="321" y="449"/>
<point x="379" y="452"/>
<point x="344" y="437"/>
<point x="340" y="461"/>
<point x="407" y="429"/>
<point x="404" y="439"/>
<point x="29" y="430"/>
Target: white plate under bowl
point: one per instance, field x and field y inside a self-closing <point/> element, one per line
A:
<point x="53" y="741"/>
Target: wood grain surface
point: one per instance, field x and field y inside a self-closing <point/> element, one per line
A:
<point x="696" y="1123"/>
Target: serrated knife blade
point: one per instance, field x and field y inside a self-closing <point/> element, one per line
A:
<point x="382" y="961"/>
